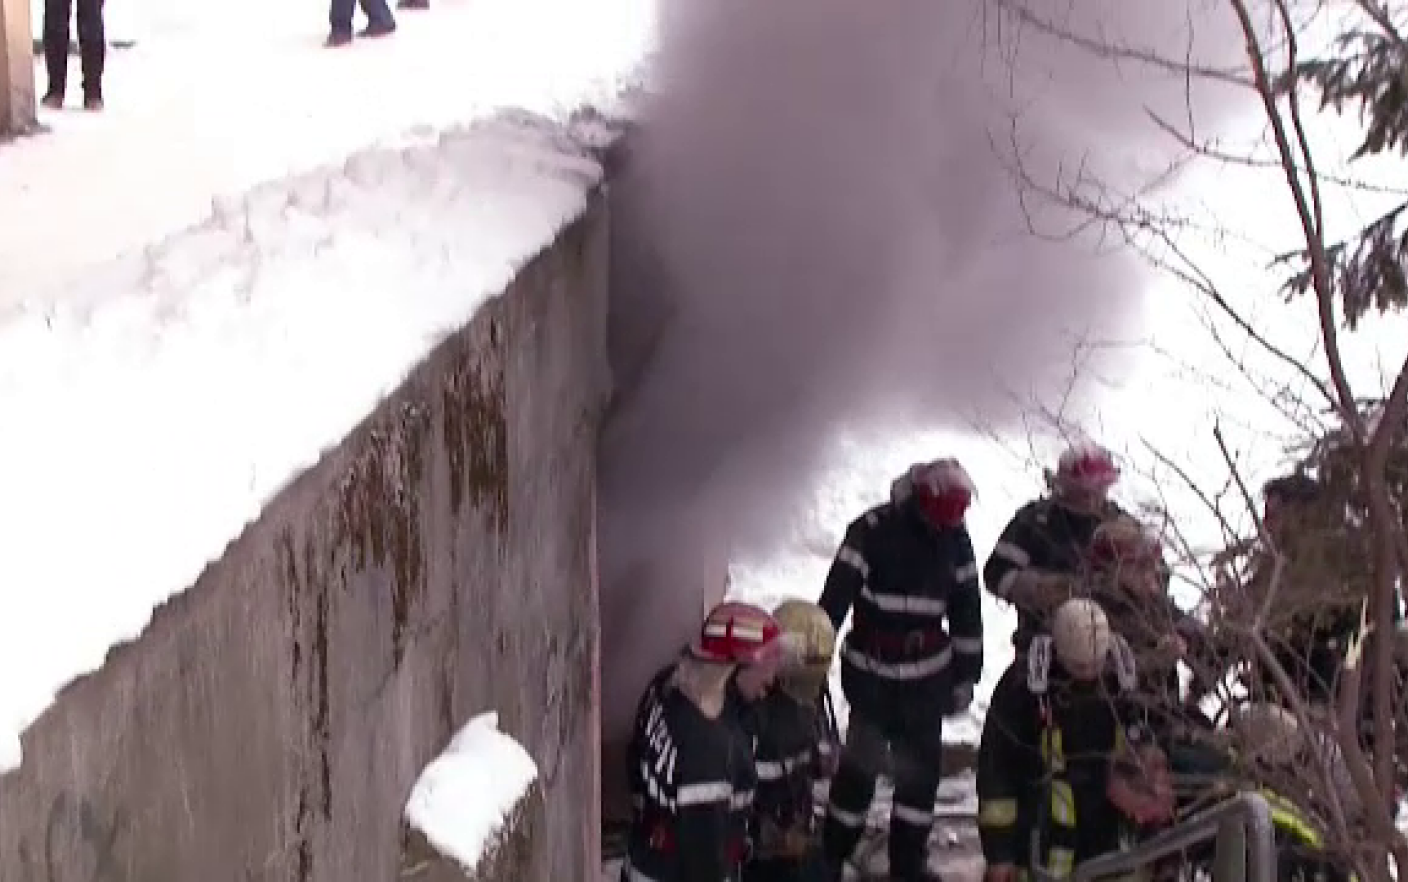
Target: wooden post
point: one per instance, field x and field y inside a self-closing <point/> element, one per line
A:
<point x="17" y="99"/>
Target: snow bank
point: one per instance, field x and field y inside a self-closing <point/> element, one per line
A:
<point x="270" y="102"/>
<point x="464" y="797"/>
<point x="153" y="404"/>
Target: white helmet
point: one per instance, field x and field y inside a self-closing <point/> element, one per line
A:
<point x="1267" y="732"/>
<point x="1080" y="634"/>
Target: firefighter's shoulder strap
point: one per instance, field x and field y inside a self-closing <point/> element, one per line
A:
<point x="1039" y="664"/>
<point x="1126" y="668"/>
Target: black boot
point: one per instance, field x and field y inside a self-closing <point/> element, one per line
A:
<point x="378" y="29"/>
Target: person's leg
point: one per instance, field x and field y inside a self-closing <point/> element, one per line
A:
<point x="918" y="766"/>
<point x="93" y="49"/>
<point x="340" y="20"/>
<point x="380" y="21"/>
<point x="852" y="789"/>
<point x="56" y="43"/>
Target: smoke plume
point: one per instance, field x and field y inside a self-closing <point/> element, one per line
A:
<point x="820" y="226"/>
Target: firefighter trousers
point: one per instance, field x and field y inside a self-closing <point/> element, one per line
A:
<point x="806" y="869"/>
<point x="914" y="748"/>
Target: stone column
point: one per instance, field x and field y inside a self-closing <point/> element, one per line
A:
<point x="17" y="99"/>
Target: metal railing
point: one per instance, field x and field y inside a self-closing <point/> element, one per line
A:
<point x="1241" y="827"/>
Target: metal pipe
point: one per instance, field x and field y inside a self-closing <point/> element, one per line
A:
<point x="1248" y="811"/>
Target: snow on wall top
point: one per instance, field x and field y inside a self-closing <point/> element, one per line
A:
<point x="462" y="799"/>
<point x="149" y="413"/>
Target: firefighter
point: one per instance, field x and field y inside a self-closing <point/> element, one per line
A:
<point x="690" y="758"/>
<point x="1037" y="561"/>
<point x="1066" y="764"/>
<point x="795" y="731"/>
<point x="906" y="567"/>
<point x="1320" y="623"/>
<point x="1126" y="574"/>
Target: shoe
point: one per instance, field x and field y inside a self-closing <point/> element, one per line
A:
<point x="93" y="101"/>
<point x="338" y="38"/>
<point x="413" y="4"/>
<point x="53" y="100"/>
<point x="373" y="31"/>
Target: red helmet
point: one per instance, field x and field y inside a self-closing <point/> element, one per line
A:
<point x="943" y="491"/>
<point x="1087" y="467"/>
<point x="737" y="634"/>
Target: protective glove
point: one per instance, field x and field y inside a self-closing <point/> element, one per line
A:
<point x="961" y="700"/>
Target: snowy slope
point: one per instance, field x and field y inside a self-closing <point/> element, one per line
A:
<point x="211" y="103"/>
<point x="150" y="411"/>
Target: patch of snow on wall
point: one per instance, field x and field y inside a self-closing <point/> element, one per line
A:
<point x="464" y="797"/>
<point x="142" y="434"/>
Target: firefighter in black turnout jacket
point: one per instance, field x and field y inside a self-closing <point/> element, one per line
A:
<point x="906" y="568"/>
<point x="1066" y="763"/>
<point x="1078" y="542"/>
<point x="1038" y="559"/>
<point x="796" y="734"/>
<point x="690" y="758"/>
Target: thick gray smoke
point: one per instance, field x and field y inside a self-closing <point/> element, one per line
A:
<point x="822" y="229"/>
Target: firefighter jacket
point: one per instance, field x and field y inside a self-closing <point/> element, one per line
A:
<point x="692" y="780"/>
<point x="789" y="740"/>
<point x="1044" y="760"/>
<point x="1042" y="535"/>
<point x="916" y="599"/>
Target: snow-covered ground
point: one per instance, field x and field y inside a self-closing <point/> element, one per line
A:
<point x="175" y="350"/>
<point x="462" y="799"/>
<point x="212" y="102"/>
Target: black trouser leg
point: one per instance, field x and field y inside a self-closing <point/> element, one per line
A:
<point x="56" y="41"/>
<point x="781" y="870"/>
<point x="852" y="789"/>
<point x="92" y="45"/>
<point x="918" y="768"/>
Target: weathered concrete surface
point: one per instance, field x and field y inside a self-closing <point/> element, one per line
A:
<point x="270" y="722"/>
<point x="17" y="98"/>
<point x="512" y="856"/>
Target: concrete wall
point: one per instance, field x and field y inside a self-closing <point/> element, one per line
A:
<point x="271" y="720"/>
<point x="17" y="98"/>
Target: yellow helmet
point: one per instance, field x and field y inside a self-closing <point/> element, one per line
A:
<point x="808" y="634"/>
